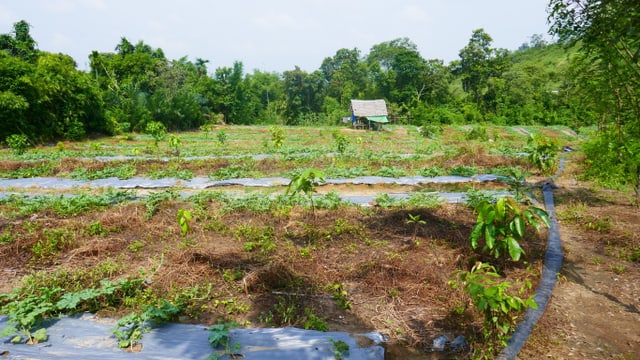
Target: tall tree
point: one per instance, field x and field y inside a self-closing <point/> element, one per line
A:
<point x="20" y="43"/>
<point x="479" y="62"/>
<point x="398" y="71"/>
<point x="304" y="94"/>
<point x="140" y="85"/>
<point x="346" y="75"/>
<point x="609" y="35"/>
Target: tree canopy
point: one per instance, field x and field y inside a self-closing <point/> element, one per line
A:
<point x="45" y="97"/>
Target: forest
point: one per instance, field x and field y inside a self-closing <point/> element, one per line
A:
<point x="588" y="77"/>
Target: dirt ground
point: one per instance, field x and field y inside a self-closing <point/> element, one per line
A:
<point x="594" y="311"/>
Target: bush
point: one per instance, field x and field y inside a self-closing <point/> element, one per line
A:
<point x="157" y="130"/>
<point x="19" y="143"/>
<point x="543" y="153"/>
<point x="478" y="133"/>
<point x="430" y="131"/>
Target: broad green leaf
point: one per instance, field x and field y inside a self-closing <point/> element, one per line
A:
<point x="40" y="335"/>
<point x="513" y="206"/>
<point x="500" y="211"/>
<point x="542" y="215"/>
<point x="8" y="330"/>
<point x="491" y="215"/>
<point x="515" y="251"/>
<point x="489" y="236"/>
<point x="476" y="233"/>
<point x="491" y="291"/>
<point x="518" y="223"/>
<point x="504" y="308"/>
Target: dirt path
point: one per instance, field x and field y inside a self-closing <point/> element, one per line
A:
<point x="594" y="311"/>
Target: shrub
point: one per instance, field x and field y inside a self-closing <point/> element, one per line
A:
<point x="543" y="153"/>
<point x="502" y="226"/>
<point x="157" y="130"/>
<point x="499" y="308"/>
<point x="19" y="143"/>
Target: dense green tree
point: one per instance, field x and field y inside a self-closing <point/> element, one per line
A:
<point x="19" y="43"/>
<point x="69" y="103"/>
<point x="346" y="75"/>
<point x="140" y="85"/>
<point x="304" y="94"/>
<point x="231" y="94"/>
<point x="608" y="33"/>
<point x="479" y="68"/>
<point x="398" y="71"/>
<point x="16" y="92"/>
<point x="266" y="91"/>
<point x="43" y="95"/>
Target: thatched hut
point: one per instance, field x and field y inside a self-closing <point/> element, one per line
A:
<point x="368" y="114"/>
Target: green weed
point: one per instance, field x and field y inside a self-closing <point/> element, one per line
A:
<point x="340" y="295"/>
<point x="219" y="338"/>
<point x="313" y="322"/>
<point x="499" y="308"/>
<point x="121" y="172"/>
<point x="153" y="201"/>
<point x="339" y="348"/>
<point x="55" y="240"/>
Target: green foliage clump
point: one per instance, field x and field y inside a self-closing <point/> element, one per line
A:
<point x="432" y="171"/>
<point x="43" y="168"/>
<point x="391" y="171"/>
<point x="277" y="136"/>
<point x="306" y="182"/>
<point x="157" y="130"/>
<point x="340" y="295"/>
<point x="339" y="348"/>
<point x="27" y="308"/>
<point x="477" y="133"/>
<point x="613" y="163"/>
<point x="341" y="141"/>
<point x="219" y="337"/>
<point x="430" y="131"/>
<point x="543" y="153"/>
<point x="19" y="143"/>
<point x="153" y="201"/>
<point x="502" y="226"/>
<point x="126" y="171"/>
<point x="222" y="137"/>
<point x="130" y="329"/>
<point x="464" y="170"/>
<point x="499" y="308"/>
<point x="313" y="322"/>
<point x="19" y="205"/>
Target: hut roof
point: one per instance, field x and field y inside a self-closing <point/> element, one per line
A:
<point x="369" y="107"/>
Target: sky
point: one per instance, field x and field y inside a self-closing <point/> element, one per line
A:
<point x="271" y="35"/>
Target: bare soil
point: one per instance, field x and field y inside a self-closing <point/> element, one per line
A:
<point x="594" y="311"/>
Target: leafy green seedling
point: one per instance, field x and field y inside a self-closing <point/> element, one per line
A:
<point x="502" y="226"/>
<point x="219" y="338"/>
<point x="339" y="348"/>
<point x="306" y="183"/>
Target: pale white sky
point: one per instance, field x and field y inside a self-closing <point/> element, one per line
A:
<point x="271" y="35"/>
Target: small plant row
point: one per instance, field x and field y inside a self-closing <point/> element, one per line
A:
<point x="28" y="313"/>
<point x="272" y="139"/>
<point x="27" y="310"/>
<point x="351" y="168"/>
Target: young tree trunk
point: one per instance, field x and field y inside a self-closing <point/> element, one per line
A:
<point x="637" y="188"/>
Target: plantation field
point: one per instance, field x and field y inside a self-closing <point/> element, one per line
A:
<point x="275" y="255"/>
